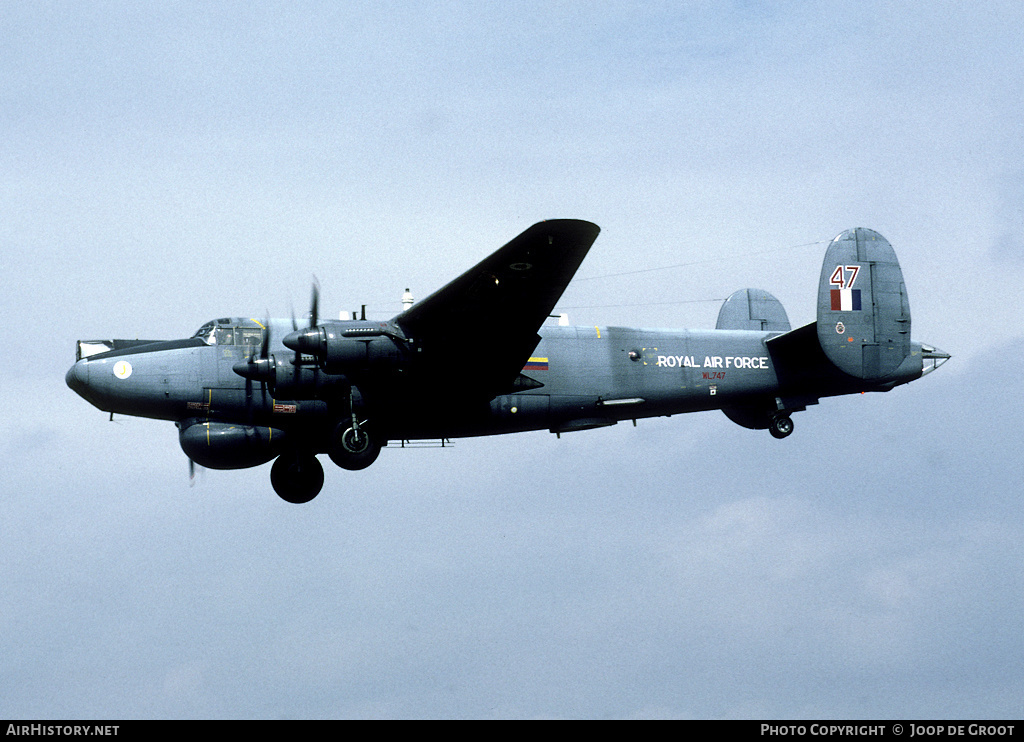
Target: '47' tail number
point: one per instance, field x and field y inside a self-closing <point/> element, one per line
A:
<point x="844" y="276"/>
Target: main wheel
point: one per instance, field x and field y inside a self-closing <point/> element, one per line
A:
<point x="353" y="448"/>
<point x="781" y="426"/>
<point x="297" y="478"/>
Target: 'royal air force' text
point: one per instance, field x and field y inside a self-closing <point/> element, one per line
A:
<point x="713" y="362"/>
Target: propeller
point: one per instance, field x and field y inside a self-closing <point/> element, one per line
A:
<point x="261" y="366"/>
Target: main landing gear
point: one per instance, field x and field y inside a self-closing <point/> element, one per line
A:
<point x="353" y="447"/>
<point x="298" y="476"/>
<point x="780" y="425"/>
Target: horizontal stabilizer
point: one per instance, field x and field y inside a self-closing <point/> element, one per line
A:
<point x="753" y="309"/>
<point x="863" y="310"/>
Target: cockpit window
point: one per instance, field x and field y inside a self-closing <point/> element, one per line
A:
<point x="249" y="336"/>
<point x="206" y="333"/>
<point x="215" y="333"/>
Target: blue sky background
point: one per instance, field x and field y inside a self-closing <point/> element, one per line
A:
<point x="165" y="164"/>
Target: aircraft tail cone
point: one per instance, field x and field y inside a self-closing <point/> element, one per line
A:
<point x="932" y="358"/>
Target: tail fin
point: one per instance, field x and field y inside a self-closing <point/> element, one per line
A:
<point x="753" y="309"/>
<point x="863" y="310"/>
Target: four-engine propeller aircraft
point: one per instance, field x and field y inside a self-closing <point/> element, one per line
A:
<point x="476" y="358"/>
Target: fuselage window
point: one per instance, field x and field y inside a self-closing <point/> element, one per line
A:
<point x="225" y="336"/>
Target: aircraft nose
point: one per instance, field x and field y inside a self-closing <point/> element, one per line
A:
<point x="78" y="377"/>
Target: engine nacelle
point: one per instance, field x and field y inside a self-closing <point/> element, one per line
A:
<point x="290" y="380"/>
<point x="347" y="354"/>
<point x="352" y="348"/>
<point x="304" y="382"/>
<point x="217" y="445"/>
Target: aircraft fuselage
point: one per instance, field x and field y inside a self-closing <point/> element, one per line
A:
<point x="589" y="377"/>
<point x="478" y="357"/>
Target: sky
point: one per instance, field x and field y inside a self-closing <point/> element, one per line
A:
<point x="163" y="164"/>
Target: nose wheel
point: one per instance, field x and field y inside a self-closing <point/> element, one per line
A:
<point x="297" y="478"/>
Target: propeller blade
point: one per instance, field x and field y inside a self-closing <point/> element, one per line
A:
<point x="314" y="304"/>
<point x="265" y="340"/>
<point x="265" y="362"/>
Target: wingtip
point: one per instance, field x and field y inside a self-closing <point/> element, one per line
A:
<point x="571" y="227"/>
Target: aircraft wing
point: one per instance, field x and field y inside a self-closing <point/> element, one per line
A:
<point x="480" y="329"/>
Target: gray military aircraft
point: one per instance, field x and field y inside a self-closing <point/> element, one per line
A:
<point x="477" y="358"/>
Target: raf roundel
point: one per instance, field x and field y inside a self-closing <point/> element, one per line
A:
<point x="122" y="369"/>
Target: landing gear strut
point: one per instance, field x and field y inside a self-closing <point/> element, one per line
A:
<point x="780" y="426"/>
<point x="297" y="477"/>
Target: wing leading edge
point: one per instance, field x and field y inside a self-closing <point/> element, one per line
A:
<point x="480" y="329"/>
